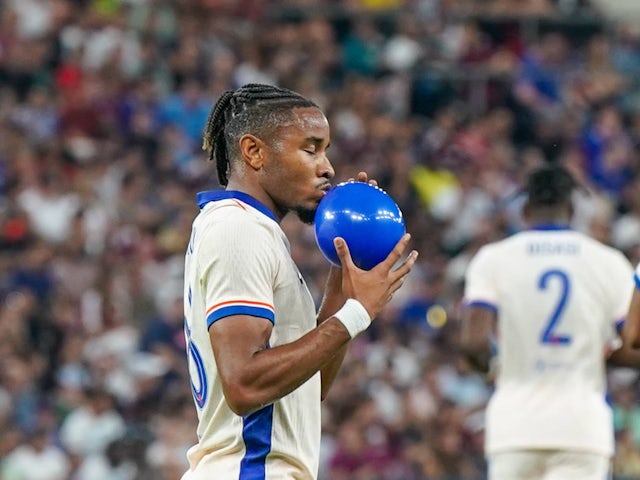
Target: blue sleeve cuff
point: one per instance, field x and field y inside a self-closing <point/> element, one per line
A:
<point x="481" y="304"/>
<point x="240" y="310"/>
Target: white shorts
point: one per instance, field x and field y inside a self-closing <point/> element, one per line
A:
<point x="548" y="465"/>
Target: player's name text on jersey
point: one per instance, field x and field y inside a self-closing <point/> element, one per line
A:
<point x="552" y="248"/>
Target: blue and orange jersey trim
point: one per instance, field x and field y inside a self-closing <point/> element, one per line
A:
<point x="202" y="198"/>
<point x="240" y="307"/>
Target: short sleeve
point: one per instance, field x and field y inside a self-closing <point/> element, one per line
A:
<point x="480" y="288"/>
<point x="622" y="286"/>
<point x="636" y="276"/>
<point x="237" y="269"/>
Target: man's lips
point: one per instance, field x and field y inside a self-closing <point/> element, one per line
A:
<point x="325" y="188"/>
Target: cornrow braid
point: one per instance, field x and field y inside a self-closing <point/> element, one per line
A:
<point x="213" y="140"/>
<point x="253" y="108"/>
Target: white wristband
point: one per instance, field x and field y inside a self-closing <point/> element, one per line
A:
<point x="353" y="316"/>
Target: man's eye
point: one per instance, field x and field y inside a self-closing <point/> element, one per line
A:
<point x="310" y="152"/>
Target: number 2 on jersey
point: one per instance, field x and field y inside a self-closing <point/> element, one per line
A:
<point x="549" y="335"/>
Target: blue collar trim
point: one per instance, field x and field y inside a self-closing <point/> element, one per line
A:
<point x="551" y="226"/>
<point x="202" y="198"/>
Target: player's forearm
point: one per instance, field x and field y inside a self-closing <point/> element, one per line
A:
<point x="475" y="339"/>
<point x="275" y="372"/>
<point x="329" y="372"/>
<point x="476" y="351"/>
<point x="478" y="358"/>
<point x="333" y="298"/>
<point x="332" y="301"/>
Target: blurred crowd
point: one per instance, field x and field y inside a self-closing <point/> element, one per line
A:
<point x="447" y="103"/>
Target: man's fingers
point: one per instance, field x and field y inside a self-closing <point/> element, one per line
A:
<point x="395" y="286"/>
<point x="397" y="252"/>
<point x="364" y="178"/>
<point x="343" y="252"/>
<point x="407" y="265"/>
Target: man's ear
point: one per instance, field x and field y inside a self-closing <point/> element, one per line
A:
<point x="252" y="151"/>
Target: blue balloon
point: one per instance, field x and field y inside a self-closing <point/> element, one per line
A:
<point x="366" y="217"/>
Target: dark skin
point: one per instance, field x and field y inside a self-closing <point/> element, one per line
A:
<point x="631" y="329"/>
<point x="289" y="173"/>
<point x="479" y="323"/>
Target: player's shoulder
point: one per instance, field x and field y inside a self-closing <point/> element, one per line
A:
<point x="233" y="212"/>
<point x="491" y="253"/>
<point x="231" y="219"/>
<point x="498" y="247"/>
<point x="602" y="249"/>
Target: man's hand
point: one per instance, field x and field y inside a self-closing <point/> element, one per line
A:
<point x="374" y="288"/>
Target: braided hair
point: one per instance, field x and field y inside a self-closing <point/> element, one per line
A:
<point x="253" y="108"/>
<point x="549" y="186"/>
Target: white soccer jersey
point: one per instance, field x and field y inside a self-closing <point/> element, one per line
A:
<point x="238" y="262"/>
<point x="558" y="295"/>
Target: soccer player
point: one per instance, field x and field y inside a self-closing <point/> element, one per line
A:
<point x="548" y="303"/>
<point x="260" y="357"/>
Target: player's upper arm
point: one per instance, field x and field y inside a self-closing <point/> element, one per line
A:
<point x="480" y="281"/>
<point x="621" y="282"/>
<point x="480" y="309"/>
<point x="480" y="287"/>
<point x="235" y="340"/>
<point x="478" y="327"/>
<point x="238" y="270"/>
<point x="631" y="328"/>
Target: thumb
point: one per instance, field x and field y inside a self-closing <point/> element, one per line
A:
<point x="343" y="251"/>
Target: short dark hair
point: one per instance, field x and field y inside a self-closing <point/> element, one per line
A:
<point x="549" y="185"/>
<point x="253" y="108"/>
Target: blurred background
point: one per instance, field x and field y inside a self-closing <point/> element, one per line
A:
<point x="447" y="103"/>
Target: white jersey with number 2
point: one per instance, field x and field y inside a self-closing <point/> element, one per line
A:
<point x="559" y="296"/>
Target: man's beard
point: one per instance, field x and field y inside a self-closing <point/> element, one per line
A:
<point x="306" y="215"/>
